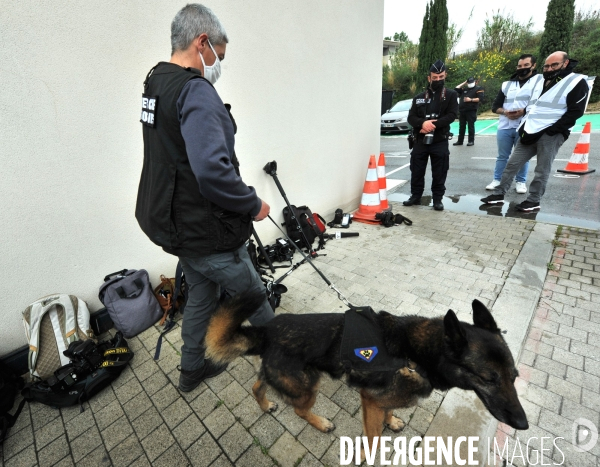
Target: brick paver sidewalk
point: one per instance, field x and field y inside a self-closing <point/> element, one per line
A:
<point x="444" y="260"/>
<point x="560" y="364"/>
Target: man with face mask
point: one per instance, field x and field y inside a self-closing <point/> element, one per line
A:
<point x="430" y="115"/>
<point x="470" y="99"/>
<point x="510" y="104"/>
<point x="191" y="199"/>
<point x="556" y="103"/>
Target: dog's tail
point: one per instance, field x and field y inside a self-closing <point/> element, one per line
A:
<point x="226" y="338"/>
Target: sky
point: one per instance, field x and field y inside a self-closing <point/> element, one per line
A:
<point x="407" y="16"/>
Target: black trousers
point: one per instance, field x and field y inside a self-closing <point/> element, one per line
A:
<point x="440" y="162"/>
<point x="467" y="117"/>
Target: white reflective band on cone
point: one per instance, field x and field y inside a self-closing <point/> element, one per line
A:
<point x="370" y="199"/>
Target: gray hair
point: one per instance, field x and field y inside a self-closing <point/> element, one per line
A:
<point x="193" y="20"/>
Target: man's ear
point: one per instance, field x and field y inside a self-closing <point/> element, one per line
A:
<point x="455" y="334"/>
<point x="482" y="317"/>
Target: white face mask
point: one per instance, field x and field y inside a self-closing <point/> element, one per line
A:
<point x="471" y="85"/>
<point x="213" y="72"/>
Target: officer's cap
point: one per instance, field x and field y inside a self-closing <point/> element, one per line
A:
<point x="437" y="67"/>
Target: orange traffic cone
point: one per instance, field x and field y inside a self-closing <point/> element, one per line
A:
<point x="369" y="203"/>
<point x="382" y="183"/>
<point x="578" y="164"/>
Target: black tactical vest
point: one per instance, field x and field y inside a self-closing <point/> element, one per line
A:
<point x="170" y="208"/>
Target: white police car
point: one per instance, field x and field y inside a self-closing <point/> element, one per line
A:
<point x="395" y="118"/>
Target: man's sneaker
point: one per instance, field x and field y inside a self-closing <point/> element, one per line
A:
<point x="493" y="185"/>
<point x="528" y="206"/>
<point x="438" y="205"/>
<point x="493" y="199"/>
<point x="458" y="143"/>
<point x="521" y="187"/>
<point x="470" y="143"/>
<point x="190" y="380"/>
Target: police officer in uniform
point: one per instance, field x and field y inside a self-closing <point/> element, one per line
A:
<point x="469" y="101"/>
<point x="191" y="199"/>
<point x="430" y="115"/>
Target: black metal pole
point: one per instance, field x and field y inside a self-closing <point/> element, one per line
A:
<point x="271" y="169"/>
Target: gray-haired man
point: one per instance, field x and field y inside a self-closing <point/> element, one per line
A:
<point x="191" y="200"/>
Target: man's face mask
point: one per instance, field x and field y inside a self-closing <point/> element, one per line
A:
<point x="437" y="85"/>
<point x="213" y="72"/>
<point x="471" y="85"/>
<point x="523" y="72"/>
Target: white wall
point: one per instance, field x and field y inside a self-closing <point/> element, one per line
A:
<point x="71" y="78"/>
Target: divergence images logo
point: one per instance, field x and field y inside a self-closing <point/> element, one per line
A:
<point x="585" y="435"/>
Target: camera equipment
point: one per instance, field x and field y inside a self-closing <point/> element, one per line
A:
<point x="389" y="219"/>
<point x="85" y="358"/>
<point x="341" y="235"/>
<point x="386" y="218"/>
<point x="271" y="169"/>
<point x="340" y="220"/>
<point x="280" y="251"/>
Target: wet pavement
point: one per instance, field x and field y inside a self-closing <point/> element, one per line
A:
<point x="568" y="200"/>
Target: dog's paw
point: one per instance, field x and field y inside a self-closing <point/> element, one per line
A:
<point x="395" y="424"/>
<point x="272" y="407"/>
<point x="326" y="426"/>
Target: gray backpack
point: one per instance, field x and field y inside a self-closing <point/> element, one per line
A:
<point x="130" y="301"/>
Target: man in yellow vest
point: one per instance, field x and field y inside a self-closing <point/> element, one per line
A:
<point x="556" y="104"/>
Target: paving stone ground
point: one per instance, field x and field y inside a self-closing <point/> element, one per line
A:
<point x="445" y="260"/>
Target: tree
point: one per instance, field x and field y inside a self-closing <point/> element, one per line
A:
<point x="433" y="40"/>
<point x="503" y="33"/>
<point x="558" y="27"/>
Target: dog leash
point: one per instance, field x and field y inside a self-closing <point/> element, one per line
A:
<point x="340" y="295"/>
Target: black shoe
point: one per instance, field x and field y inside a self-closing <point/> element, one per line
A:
<point x="470" y="143"/>
<point x="438" y="205"/>
<point x="190" y="380"/>
<point x="528" y="206"/>
<point x="458" y="143"/>
<point x="493" y="199"/>
<point x="414" y="199"/>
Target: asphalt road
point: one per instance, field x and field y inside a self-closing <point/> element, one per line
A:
<point x="567" y="201"/>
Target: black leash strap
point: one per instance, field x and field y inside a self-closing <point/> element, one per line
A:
<point x="340" y="295"/>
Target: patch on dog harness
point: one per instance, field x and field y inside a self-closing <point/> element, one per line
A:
<point x="366" y="354"/>
<point x="149" y="104"/>
<point x="363" y="343"/>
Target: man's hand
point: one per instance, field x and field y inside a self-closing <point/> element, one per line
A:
<point x="461" y="84"/>
<point x="515" y="114"/>
<point x="265" y="209"/>
<point x="428" y="126"/>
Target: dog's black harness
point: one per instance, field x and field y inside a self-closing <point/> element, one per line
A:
<point x="363" y="345"/>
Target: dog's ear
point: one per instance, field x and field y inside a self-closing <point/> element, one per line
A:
<point x="455" y="334"/>
<point x="482" y="317"/>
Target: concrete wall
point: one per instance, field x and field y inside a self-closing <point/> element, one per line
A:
<point x="71" y="78"/>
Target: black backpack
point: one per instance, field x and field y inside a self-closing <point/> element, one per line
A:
<point x="10" y="385"/>
<point x="312" y="225"/>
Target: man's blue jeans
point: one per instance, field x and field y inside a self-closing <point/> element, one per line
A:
<point x="506" y="140"/>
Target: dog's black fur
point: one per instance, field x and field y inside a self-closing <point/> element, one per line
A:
<point x="296" y="349"/>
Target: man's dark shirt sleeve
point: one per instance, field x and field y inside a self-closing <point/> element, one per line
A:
<point x="498" y="101"/>
<point x="415" y="121"/>
<point x="576" y="100"/>
<point x="208" y="134"/>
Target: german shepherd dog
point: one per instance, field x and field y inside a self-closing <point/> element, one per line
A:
<point x="444" y="353"/>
